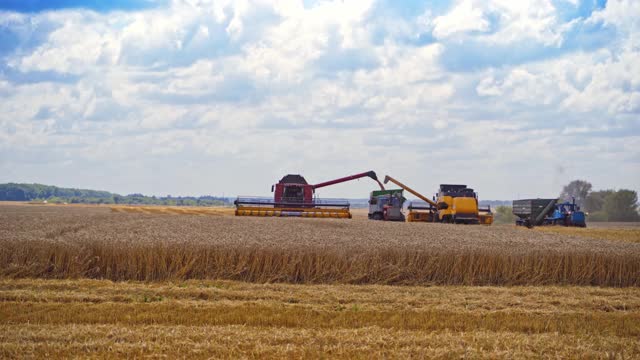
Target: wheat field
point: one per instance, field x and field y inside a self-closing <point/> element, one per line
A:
<point x="620" y="232"/>
<point x="92" y="282"/>
<point x="69" y="242"/>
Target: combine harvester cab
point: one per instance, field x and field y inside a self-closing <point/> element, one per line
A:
<point x="539" y="212"/>
<point x="459" y="204"/>
<point x="295" y="197"/>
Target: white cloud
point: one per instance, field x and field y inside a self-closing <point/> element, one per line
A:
<point x="503" y="22"/>
<point x="76" y="47"/>
<point x="227" y="89"/>
<point x="600" y="82"/>
<point x="524" y="87"/>
<point x="620" y="13"/>
<point x="464" y="17"/>
<point x="526" y="20"/>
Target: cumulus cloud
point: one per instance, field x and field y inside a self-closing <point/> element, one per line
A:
<point x="464" y="17"/>
<point x="237" y="93"/>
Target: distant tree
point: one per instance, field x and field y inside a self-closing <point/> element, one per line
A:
<point x="39" y="192"/>
<point x="189" y="202"/>
<point x="622" y="205"/>
<point x="595" y="200"/>
<point x="504" y="215"/>
<point x="598" y="216"/>
<point x="55" y="200"/>
<point x="578" y="189"/>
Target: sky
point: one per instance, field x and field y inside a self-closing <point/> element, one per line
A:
<point x="194" y="97"/>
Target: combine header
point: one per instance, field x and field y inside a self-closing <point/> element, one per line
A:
<point x="293" y="196"/>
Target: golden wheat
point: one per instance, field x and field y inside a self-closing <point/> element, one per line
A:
<point x="628" y="234"/>
<point x="66" y="242"/>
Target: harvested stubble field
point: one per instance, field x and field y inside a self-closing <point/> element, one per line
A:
<point x="57" y="298"/>
<point x="225" y="319"/>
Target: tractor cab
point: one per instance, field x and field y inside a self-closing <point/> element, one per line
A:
<point x="567" y="214"/>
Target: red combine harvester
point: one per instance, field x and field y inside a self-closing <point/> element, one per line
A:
<point x="293" y="196"/>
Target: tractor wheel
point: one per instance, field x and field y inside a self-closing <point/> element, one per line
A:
<point x="377" y="216"/>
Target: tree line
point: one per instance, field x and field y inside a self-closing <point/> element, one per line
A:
<point x="600" y="205"/>
<point x="54" y="194"/>
<point x="603" y="205"/>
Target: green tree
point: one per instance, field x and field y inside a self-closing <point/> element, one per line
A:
<point x="504" y="215"/>
<point x="595" y="200"/>
<point x="622" y="205"/>
<point x="578" y="189"/>
<point x="598" y="216"/>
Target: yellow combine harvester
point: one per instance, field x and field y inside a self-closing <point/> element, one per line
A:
<point x="456" y="204"/>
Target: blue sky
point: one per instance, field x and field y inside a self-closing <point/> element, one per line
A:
<point x="33" y="6"/>
<point x="190" y="97"/>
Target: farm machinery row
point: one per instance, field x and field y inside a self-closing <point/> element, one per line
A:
<point x="295" y="197"/>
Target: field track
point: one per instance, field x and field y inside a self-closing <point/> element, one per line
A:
<point x="96" y="242"/>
